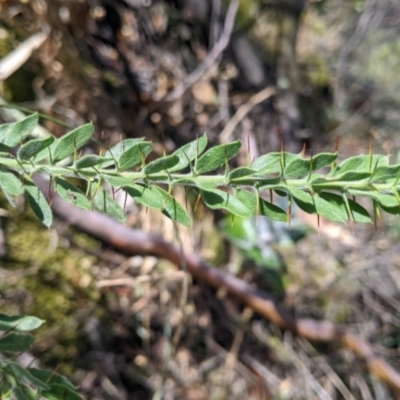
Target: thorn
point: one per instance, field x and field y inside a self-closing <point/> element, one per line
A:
<point x="201" y="212"/>
<point x="52" y="197"/>
<point x="389" y="147"/>
<point x="319" y="224"/>
<point x="197" y="202"/>
<point x="49" y="189"/>
<point x="258" y="208"/>
<point x="289" y="212"/>
<point x="125" y="200"/>
<point x="370" y="143"/>
<point x="163" y="144"/>
<point x="186" y="198"/>
<point x="336" y="149"/>
<point x="101" y="143"/>
<point x="303" y="151"/>
<point x="375" y="218"/>
<point x="248" y="150"/>
<point x="197" y="147"/>
<point x="270" y="196"/>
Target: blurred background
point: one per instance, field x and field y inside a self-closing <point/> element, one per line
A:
<point x="294" y="71"/>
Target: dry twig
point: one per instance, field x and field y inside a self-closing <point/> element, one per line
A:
<point x="243" y="110"/>
<point x="212" y="56"/>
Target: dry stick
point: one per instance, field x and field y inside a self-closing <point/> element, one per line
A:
<point x="211" y="57"/>
<point x="243" y="110"/>
<point x="136" y="242"/>
<point x="12" y="61"/>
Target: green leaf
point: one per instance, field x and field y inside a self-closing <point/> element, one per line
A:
<point x="264" y="207"/>
<point x="90" y="160"/>
<point x="384" y="173"/>
<point x="105" y="203"/>
<point x="323" y="160"/>
<point x="218" y="199"/>
<point x="19" y="394"/>
<point x="386" y="200"/>
<point x="217" y="156"/>
<point x="327" y="204"/>
<point x="189" y="153"/>
<point x="19" y="323"/>
<point x="34" y="147"/>
<point x="352" y="176"/>
<point x="161" y="164"/>
<point x="172" y="209"/>
<point x="13" y="134"/>
<point x="24" y="375"/>
<point x="134" y="155"/>
<point x="270" y="163"/>
<point x="72" y="194"/>
<point x="358" y="213"/>
<point x="38" y="203"/>
<point x="72" y="141"/>
<point x="5" y="390"/>
<point x="60" y="392"/>
<point x="115" y="152"/>
<point x="240" y="173"/>
<point x="298" y="168"/>
<point x="10" y="185"/>
<point x="116" y="180"/>
<point x="159" y="199"/>
<point x="50" y="377"/>
<point x="331" y="206"/>
<point x="361" y="163"/>
<point x="16" y="342"/>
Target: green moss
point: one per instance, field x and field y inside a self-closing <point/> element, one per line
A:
<point x="54" y="284"/>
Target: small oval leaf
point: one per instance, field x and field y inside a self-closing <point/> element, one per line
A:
<point x="240" y="173"/>
<point x="218" y="199"/>
<point x="19" y="323"/>
<point x="16" y="342"/>
<point x="13" y="134"/>
<point x="189" y="153"/>
<point x="134" y="155"/>
<point x="217" y="156"/>
<point x="258" y="205"/>
<point x="34" y="147"/>
<point x="72" y="194"/>
<point x="38" y="203"/>
<point x="159" y="199"/>
<point x="72" y="141"/>
<point x="298" y="168"/>
<point x="106" y="204"/>
<point x="161" y="164"/>
<point x="90" y="160"/>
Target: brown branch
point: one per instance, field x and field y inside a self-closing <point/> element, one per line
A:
<point x="211" y="57"/>
<point x="133" y="242"/>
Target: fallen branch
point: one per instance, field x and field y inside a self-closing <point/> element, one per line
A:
<point x="134" y="242"/>
<point x="13" y="61"/>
